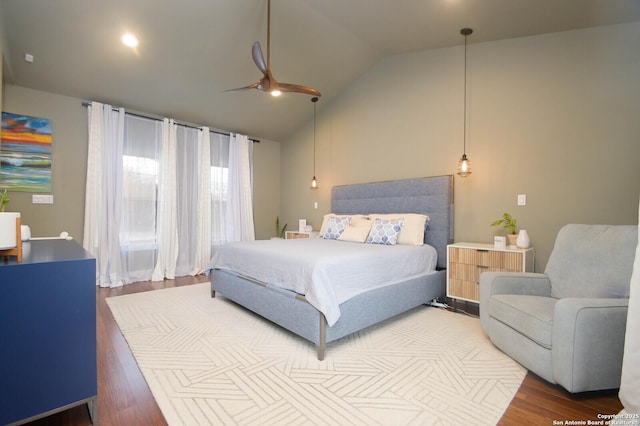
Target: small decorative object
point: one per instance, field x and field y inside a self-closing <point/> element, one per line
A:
<point x="25" y="232"/>
<point x="302" y="223"/>
<point x="308" y="228"/>
<point x="523" y="241"/>
<point x="508" y="222"/>
<point x="500" y="242"/>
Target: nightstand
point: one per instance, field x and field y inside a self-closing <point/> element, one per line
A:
<point x="466" y="261"/>
<point x="289" y="235"/>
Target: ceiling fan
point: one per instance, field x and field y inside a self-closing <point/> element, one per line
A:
<point x="268" y="83"/>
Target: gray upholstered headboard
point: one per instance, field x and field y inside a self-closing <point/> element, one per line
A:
<point x="432" y="196"/>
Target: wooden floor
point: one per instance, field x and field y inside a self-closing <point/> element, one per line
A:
<point x="125" y="399"/>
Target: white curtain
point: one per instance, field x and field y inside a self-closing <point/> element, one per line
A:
<point x="219" y="151"/>
<point x="167" y="205"/>
<point x="103" y="201"/>
<point x="141" y="165"/>
<point x="239" y="221"/>
<point x="630" y="383"/>
<point x="160" y="197"/>
<point x="203" y="234"/>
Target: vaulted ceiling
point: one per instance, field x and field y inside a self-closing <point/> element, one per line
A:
<point x="191" y="51"/>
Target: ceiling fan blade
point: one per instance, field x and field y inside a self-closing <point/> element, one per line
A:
<point x="251" y="86"/>
<point x="285" y="87"/>
<point x="268" y="83"/>
<point x="264" y="84"/>
<point x="258" y="58"/>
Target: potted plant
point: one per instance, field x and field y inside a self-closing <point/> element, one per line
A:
<point x="4" y="200"/>
<point x="280" y="231"/>
<point x="508" y="222"/>
<point x="8" y="235"/>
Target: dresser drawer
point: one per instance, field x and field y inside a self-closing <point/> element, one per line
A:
<point x="467" y="261"/>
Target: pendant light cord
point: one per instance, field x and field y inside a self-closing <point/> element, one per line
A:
<point x="464" y="137"/>
<point x="314" y="100"/>
<point x="314" y="138"/>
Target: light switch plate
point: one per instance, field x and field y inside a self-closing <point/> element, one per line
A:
<point x="42" y="198"/>
<point x="522" y="199"/>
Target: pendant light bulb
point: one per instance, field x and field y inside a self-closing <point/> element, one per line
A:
<point x="314" y="182"/>
<point x="464" y="165"/>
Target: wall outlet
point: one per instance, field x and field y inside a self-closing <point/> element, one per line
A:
<point x="42" y="198"/>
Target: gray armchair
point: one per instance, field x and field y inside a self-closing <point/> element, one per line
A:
<point x="568" y="324"/>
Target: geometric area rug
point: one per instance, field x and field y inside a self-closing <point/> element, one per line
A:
<point x="209" y="361"/>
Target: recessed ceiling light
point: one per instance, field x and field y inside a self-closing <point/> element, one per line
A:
<point x="130" y="40"/>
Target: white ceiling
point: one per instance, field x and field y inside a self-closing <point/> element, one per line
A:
<point x="192" y="50"/>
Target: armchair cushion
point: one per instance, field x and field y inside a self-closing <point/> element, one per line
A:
<point x="531" y="316"/>
<point x="492" y="283"/>
<point x="588" y="343"/>
<point x="592" y="261"/>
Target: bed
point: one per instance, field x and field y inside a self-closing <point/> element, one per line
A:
<point x="292" y="310"/>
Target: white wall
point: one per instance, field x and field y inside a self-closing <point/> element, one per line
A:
<point x="551" y="116"/>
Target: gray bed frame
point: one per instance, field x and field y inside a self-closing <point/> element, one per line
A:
<point x="430" y="195"/>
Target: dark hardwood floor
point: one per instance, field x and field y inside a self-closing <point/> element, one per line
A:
<point x="125" y="399"/>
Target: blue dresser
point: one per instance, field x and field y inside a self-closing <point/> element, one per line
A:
<point x="47" y="331"/>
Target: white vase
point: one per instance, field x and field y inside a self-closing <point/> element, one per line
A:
<point x="523" y="241"/>
<point x="8" y="230"/>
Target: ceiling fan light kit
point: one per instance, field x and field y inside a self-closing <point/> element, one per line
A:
<point x="268" y="83"/>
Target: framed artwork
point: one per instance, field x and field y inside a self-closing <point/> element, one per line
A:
<point x="25" y="153"/>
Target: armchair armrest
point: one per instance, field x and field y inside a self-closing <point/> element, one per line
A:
<point x="526" y="283"/>
<point x="587" y="342"/>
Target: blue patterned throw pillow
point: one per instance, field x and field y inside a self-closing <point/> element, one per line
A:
<point x="385" y="231"/>
<point x="335" y="227"/>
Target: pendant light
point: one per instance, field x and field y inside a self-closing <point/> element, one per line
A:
<point x="464" y="165"/>
<point x="314" y="182"/>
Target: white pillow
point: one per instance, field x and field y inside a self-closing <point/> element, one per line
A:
<point x="357" y="233"/>
<point x="414" y="226"/>
<point x="354" y="220"/>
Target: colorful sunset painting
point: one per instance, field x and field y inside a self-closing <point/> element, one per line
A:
<point x="25" y="153"/>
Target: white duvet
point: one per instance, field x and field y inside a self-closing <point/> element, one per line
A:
<point x="326" y="272"/>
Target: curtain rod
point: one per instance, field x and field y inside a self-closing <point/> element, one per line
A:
<point x="86" y="104"/>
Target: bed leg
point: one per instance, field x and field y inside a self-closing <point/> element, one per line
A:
<point x="213" y="294"/>
<point x="322" y="347"/>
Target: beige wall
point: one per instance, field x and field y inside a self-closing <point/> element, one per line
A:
<point x="69" y="125"/>
<point x="554" y="117"/>
<point x="266" y="187"/>
<point x="2" y="41"/>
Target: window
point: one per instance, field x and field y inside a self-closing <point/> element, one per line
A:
<point x="140" y="168"/>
